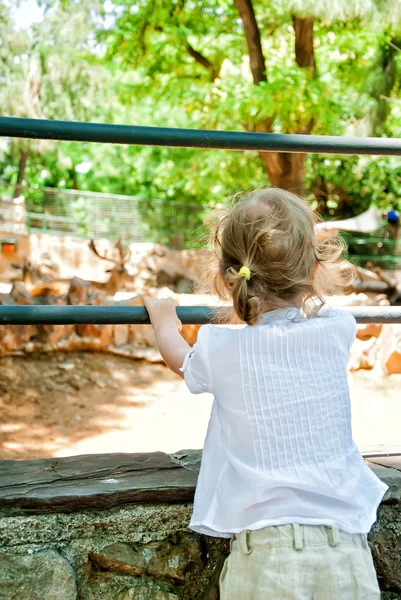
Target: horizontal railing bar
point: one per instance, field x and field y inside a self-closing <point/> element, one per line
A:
<point x="117" y="315"/>
<point x="195" y="138"/>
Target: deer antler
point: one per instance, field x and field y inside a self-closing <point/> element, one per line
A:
<point x="92" y="246"/>
<point x="125" y="253"/>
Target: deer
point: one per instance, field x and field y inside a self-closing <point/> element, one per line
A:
<point x="34" y="274"/>
<point x="118" y="273"/>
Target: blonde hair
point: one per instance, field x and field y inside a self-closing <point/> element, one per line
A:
<point x="272" y="233"/>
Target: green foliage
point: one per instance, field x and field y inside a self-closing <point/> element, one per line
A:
<point x="185" y="64"/>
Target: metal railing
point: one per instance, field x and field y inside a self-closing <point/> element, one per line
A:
<point x="187" y="138"/>
<point x="119" y="315"/>
<point x="195" y="138"/>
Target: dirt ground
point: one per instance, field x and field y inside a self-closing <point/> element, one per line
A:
<point x="62" y="405"/>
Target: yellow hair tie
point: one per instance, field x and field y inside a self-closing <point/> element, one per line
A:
<point x="245" y="272"/>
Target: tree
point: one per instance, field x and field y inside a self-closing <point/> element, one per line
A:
<point x="183" y="63"/>
<point x="158" y="39"/>
<point x="35" y="70"/>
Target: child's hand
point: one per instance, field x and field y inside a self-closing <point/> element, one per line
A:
<point x="166" y="324"/>
<point x="162" y="311"/>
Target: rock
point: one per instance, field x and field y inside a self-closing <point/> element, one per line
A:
<point x="142" y="336"/>
<point x="120" y="557"/>
<point x="363" y="355"/>
<point x="156" y="265"/>
<point x="386" y="550"/>
<point x="51" y="334"/>
<point x="190" y="333"/>
<point x="20" y="294"/>
<point x="184" y="286"/>
<point x="390" y="349"/>
<point x="162" y="560"/>
<point x="79" y="291"/>
<point x="369" y="330"/>
<point x="172" y="560"/>
<point x="66" y="366"/>
<point x="145" y="594"/>
<point x="121" y="335"/>
<point x="104" y="333"/>
<point x="393" y="363"/>
<point x="75" y="382"/>
<point x="14" y="337"/>
<point x="43" y="575"/>
<point x="9" y="377"/>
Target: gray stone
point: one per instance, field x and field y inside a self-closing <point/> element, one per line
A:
<point x="386" y="550"/>
<point x="173" y="559"/>
<point x="145" y="594"/>
<point x="41" y="576"/>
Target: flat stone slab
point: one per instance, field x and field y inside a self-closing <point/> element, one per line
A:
<point x="392" y="462"/>
<point x="103" y="481"/>
<point x="97" y="481"/>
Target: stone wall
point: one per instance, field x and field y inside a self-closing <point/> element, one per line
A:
<point x="97" y="528"/>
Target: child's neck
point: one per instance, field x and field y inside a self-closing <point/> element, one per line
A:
<point x="269" y="307"/>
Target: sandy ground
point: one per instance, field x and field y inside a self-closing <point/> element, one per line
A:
<point x="63" y="405"/>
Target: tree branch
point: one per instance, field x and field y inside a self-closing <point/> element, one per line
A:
<point x="252" y="35"/>
<point x="202" y="60"/>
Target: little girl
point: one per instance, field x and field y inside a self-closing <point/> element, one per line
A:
<point x="280" y="475"/>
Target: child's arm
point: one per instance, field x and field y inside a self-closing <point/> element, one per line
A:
<point x="166" y="324"/>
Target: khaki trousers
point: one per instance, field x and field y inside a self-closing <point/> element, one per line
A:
<point x="299" y="562"/>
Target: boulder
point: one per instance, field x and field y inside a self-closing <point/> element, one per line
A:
<point x="42" y="575"/>
<point x="121" y="558"/>
<point x="166" y="560"/>
<point x="368" y="330"/>
<point x="363" y="355"/>
<point x="389" y="355"/>
<point x="21" y="295"/>
<point x="14" y="338"/>
<point x="154" y="266"/>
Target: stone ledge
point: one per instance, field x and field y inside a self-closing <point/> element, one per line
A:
<point x="104" y="481"/>
<point x="85" y="520"/>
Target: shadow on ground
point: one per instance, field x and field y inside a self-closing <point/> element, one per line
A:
<point x="53" y="402"/>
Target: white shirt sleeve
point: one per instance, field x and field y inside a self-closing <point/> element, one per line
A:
<point x="196" y="367"/>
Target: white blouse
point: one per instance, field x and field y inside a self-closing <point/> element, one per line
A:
<point x="279" y="445"/>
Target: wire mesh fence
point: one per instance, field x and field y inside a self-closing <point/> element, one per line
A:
<point x="96" y="215"/>
<point x="379" y="249"/>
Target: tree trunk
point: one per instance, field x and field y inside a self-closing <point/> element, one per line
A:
<point x="304" y="50"/>
<point x="285" y="170"/>
<point x="21" y="172"/>
<point x="252" y="36"/>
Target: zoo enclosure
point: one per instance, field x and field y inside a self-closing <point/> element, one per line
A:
<point x="188" y="138"/>
<point x="94" y="215"/>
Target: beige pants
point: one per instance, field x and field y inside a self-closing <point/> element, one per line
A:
<point x="299" y="562"/>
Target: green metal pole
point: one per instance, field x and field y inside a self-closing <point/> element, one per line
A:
<point x="193" y="138"/>
<point x="77" y="315"/>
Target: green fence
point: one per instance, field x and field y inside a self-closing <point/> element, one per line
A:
<point x="377" y="249"/>
<point x="95" y="215"/>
